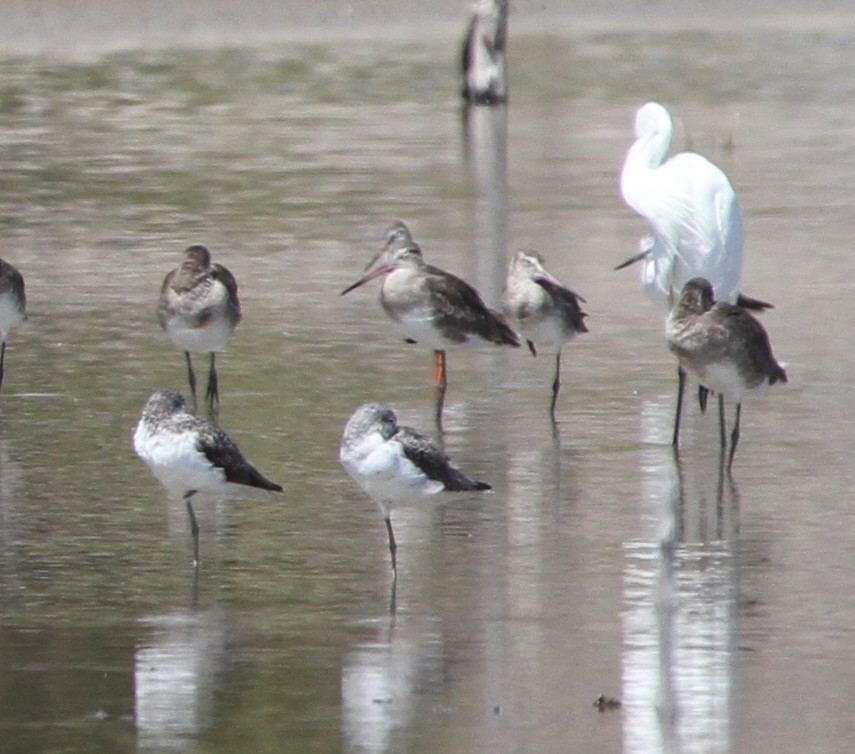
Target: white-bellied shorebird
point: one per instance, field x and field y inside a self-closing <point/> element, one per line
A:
<point x="395" y="464"/>
<point x="189" y="455"/>
<point x="483" y="58"/>
<point x="547" y="312"/>
<point x="723" y="347"/>
<point x="694" y="215"/>
<point x="431" y="306"/>
<point x="199" y="310"/>
<point x="13" y="306"/>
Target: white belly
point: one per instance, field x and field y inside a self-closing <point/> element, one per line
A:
<point x="208" y="339"/>
<point x="177" y="464"/>
<point x="385" y="473"/>
<point x="10" y="315"/>
<point x="724" y="378"/>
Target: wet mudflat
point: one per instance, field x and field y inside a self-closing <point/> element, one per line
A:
<point x="717" y="608"/>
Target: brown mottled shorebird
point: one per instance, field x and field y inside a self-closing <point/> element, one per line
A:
<point x="396" y="464"/>
<point x="722" y="346"/>
<point x="547" y="312"/>
<point x="13" y="305"/>
<point x="189" y="455"/>
<point x="199" y="310"/>
<point x="431" y="306"/>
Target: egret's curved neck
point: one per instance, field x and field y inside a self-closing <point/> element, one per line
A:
<point x="645" y="155"/>
<point x="650" y="149"/>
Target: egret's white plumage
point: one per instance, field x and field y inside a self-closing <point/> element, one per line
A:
<point x="395" y="464"/>
<point x="692" y="210"/>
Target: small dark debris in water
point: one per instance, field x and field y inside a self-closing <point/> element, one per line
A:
<point x="497" y="710"/>
<point x="604" y="703"/>
<point x="382" y="700"/>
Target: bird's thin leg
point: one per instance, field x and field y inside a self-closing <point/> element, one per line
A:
<point x="556" y="384"/>
<point x="722" y="421"/>
<point x="191" y="378"/>
<point x="393" y="546"/>
<point x="681" y="385"/>
<point x="194" y="527"/>
<point x="393" y="597"/>
<point x="703" y="395"/>
<point x="2" y="359"/>
<point x="734" y="437"/>
<point x="212" y="394"/>
<point x="719" y="502"/>
<point x="440" y="382"/>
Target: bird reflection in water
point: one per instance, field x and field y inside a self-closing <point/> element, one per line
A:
<point x="385" y="680"/>
<point x="175" y="672"/>
<point x="681" y="594"/>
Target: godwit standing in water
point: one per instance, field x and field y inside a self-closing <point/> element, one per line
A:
<point x="722" y="346"/>
<point x="431" y="306"/>
<point x="188" y="455"/>
<point x="483" y="58"/>
<point x="396" y="464"/>
<point x="13" y="305"/>
<point x="547" y="312"/>
<point x="199" y="310"/>
<point x="693" y="212"/>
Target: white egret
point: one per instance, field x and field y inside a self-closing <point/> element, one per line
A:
<point x="694" y="215"/>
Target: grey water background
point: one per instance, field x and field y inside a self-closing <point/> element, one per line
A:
<point x="718" y="610"/>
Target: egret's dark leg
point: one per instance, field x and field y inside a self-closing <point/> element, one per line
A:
<point x="722" y="421"/>
<point x="212" y="394"/>
<point x="556" y="384"/>
<point x="194" y="527"/>
<point x="681" y="385"/>
<point x="2" y="359"/>
<point x="393" y="546"/>
<point x="440" y="382"/>
<point x="191" y="378"/>
<point x="734" y="437"/>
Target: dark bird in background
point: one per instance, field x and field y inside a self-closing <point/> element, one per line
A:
<point x="483" y="55"/>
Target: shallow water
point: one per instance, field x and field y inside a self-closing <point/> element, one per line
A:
<point x="717" y="609"/>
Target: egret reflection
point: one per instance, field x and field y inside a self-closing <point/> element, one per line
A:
<point x="681" y="595"/>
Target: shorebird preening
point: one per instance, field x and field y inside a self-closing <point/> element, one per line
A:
<point x="484" y="54"/>
<point x="199" y="310"/>
<point x="13" y="306"/>
<point x="693" y="212"/>
<point x="395" y="464"/>
<point x="547" y="312"/>
<point x="189" y="455"/>
<point x="431" y="306"/>
<point x="722" y="346"/>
